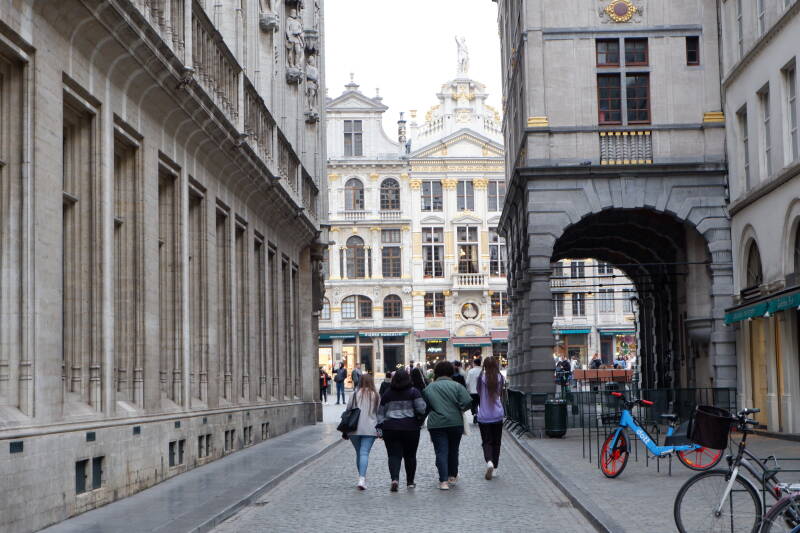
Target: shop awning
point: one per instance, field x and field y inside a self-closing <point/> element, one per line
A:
<point x="500" y="335"/>
<point x="433" y="335"/>
<point x="383" y="333"/>
<point x="470" y="342"/>
<point x="328" y="336"/>
<point x="784" y="301"/>
<point x="610" y="332"/>
<point x="572" y="331"/>
<point x="771" y="304"/>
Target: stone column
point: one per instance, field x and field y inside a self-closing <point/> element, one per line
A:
<point x="535" y="373"/>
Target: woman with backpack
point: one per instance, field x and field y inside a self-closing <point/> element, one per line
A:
<point x="401" y="411"/>
<point x="366" y="399"/>
<point x="491" y="413"/>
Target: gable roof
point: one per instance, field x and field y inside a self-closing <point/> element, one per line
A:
<point x="463" y="135"/>
<point x="355" y="101"/>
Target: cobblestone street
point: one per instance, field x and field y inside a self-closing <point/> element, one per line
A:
<point x="323" y="493"/>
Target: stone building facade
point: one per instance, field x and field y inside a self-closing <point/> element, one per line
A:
<point x="614" y="134"/>
<point x="161" y="167"/>
<point x="760" y="51"/>
<point x="416" y="268"/>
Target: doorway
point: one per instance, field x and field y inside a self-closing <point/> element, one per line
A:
<point x="467" y="354"/>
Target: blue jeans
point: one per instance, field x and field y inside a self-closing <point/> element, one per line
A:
<point x="340" y="391"/>
<point x="445" y="444"/>
<point x="362" y="444"/>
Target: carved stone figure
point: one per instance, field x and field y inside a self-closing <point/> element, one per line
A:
<point x="295" y="40"/>
<point x="312" y="86"/>
<point x="463" y="55"/>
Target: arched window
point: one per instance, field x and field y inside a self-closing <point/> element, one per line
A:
<point x="356" y="307"/>
<point x="392" y="307"/>
<point x="325" y="314"/>
<point x="755" y="276"/>
<point x="797" y="249"/>
<point x="390" y="195"/>
<point x="354" y="195"/>
<point x="356" y="258"/>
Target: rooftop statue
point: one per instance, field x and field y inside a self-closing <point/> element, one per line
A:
<point x="463" y="55"/>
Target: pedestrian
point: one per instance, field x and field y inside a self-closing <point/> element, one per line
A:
<point x="339" y="377"/>
<point x="446" y="400"/>
<point x="400" y="414"/>
<point x="418" y="379"/>
<point x="355" y="375"/>
<point x="491" y="413"/>
<point x="366" y="399"/>
<point x="472" y="387"/>
<point x="324" y="379"/>
<point x="458" y="376"/>
<point x="387" y="380"/>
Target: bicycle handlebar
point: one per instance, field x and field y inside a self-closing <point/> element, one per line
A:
<point x="632" y="402"/>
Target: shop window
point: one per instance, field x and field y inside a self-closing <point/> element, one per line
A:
<point x="392" y="307"/>
<point x="500" y="304"/>
<point x="434" y="304"/>
<point x="390" y="195"/>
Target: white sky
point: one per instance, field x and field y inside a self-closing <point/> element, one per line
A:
<point x="407" y="49"/>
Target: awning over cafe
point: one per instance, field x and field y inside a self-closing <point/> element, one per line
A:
<point x="577" y="331"/>
<point x="611" y="332"/>
<point x="433" y="335"/>
<point x="772" y="304"/>
<point x="329" y="336"/>
<point x="500" y="335"/>
<point x="383" y="333"/>
<point x="470" y="342"/>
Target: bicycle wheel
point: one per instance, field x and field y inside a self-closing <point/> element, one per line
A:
<point x="697" y="501"/>
<point x="613" y="461"/>
<point x="700" y="459"/>
<point x="784" y="516"/>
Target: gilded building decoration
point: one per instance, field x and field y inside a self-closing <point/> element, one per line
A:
<point x="374" y="177"/>
<point x="418" y="293"/>
<point x="415" y="184"/>
<point x="449" y="184"/>
<point x="621" y="10"/>
<point x="333" y="177"/>
<point x="480" y="183"/>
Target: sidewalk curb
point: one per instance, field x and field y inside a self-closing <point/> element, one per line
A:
<point x="596" y="516"/>
<point x="226" y="513"/>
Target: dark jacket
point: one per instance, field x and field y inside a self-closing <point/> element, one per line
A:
<point x="399" y="409"/>
<point x="446" y="400"/>
<point x="384" y="387"/>
<point x="341" y="375"/>
<point x="324" y="380"/>
<point x="458" y="378"/>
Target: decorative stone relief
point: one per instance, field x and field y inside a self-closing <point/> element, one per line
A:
<point x="312" y="89"/>
<point x="295" y="46"/>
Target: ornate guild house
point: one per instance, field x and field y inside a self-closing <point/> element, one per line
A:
<point x="160" y="165"/>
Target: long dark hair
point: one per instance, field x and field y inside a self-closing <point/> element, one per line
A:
<point x="401" y="380"/>
<point x="417" y="380"/>
<point x="491" y="376"/>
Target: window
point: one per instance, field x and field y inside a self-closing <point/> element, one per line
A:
<point x="81" y="475"/>
<point x="204" y="446"/>
<point x="606" y="300"/>
<point x="636" y="52"/>
<point x="356" y="258"/>
<point x="762" y="16"/>
<point x="766" y="135"/>
<point x="497" y="195"/>
<point x="558" y="304"/>
<point x="627" y="302"/>
<point x="390" y="236"/>
<point x="465" y="196"/>
<point x="576" y="269"/>
<point x="356" y="307"/>
<point x="354" y="195"/>
<point x="745" y="145"/>
<point x="693" y="50"/>
<point x="325" y="314"/>
<point x="390" y="195"/>
<point x="497" y="254"/>
<point x="755" y="276"/>
<point x="230" y="439"/>
<point x="790" y="81"/>
<point x="433" y="252"/>
<point x="500" y="303"/>
<point x="431" y="195"/>
<point x="604" y="269"/>
<point x="391" y="262"/>
<point x="607" y="52"/>
<point x="434" y="304"/>
<point x="578" y="304"/>
<point x="609" y="96"/>
<point x="467" y="237"/>
<point x="637" y="88"/>
<point x="740" y="27"/>
<point x="353" y="138"/>
<point x="392" y="307"/>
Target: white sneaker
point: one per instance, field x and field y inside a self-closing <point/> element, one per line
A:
<point x="489" y="471"/>
<point x="362" y="483"/>
<point x="444" y="485"/>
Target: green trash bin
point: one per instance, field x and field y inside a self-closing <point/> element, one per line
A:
<point x="555" y="418"/>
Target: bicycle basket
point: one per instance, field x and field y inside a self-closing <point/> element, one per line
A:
<point x="610" y="418"/>
<point x="711" y="427"/>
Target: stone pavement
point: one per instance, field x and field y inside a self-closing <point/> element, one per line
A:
<point x="323" y="495"/>
<point x="201" y="498"/>
<point x="642" y="497"/>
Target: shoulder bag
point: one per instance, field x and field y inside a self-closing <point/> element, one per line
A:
<point x="350" y="417"/>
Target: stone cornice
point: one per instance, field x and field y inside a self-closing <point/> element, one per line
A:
<point x="786" y="175"/>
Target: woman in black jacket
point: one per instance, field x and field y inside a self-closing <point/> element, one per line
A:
<point x="399" y="415"/>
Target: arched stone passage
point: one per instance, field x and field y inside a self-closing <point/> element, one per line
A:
<point x="669" y="233"/>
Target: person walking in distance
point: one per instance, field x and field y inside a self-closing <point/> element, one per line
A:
<point x="458" y="374"/>
<point x="447" y="401"/>
<point x="324" y="379"/>
<point x="366" y="399"/>
<point x="399" y="415"/>
<point x="472" y="387"/>
<point x="356" y="376"/>
<point x="418" y="379"/>
<point x="491" y="413"/>
<point x="338" y="378"/>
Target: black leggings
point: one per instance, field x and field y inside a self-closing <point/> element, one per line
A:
<point x="323" y="394"/>
<point x="491" y="434"/>
<point x="402" y="446"/>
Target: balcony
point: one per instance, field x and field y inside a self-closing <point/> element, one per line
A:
<point x="167" y="17"/>
<point x="353" y="215"/>
<point x="391" y="215"/>
<point x="626" y="148"/>
<point x="258" y="123"/>
<point x="470" y="281"/>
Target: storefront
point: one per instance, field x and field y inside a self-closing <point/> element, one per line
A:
<point x="389" y="349"/>
<point x="470" y="348"/>
<point x="617" y="343"/>
<point x="434" y="345"/>
<point x="573" y="343"/>
<point x="500" y="346"/>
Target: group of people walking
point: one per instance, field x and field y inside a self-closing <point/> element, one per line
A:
<point x="408" y="402"/>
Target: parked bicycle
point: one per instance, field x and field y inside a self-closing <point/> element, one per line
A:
<point x="615" y="451"/>
<point x="725" y="500"/>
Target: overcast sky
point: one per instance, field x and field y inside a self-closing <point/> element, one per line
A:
<point x="407" y="49"/>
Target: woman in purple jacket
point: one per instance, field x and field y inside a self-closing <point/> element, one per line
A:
<point x="491" y="413"/>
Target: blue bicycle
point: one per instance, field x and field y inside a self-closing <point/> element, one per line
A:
<point x="615" y="450"/>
